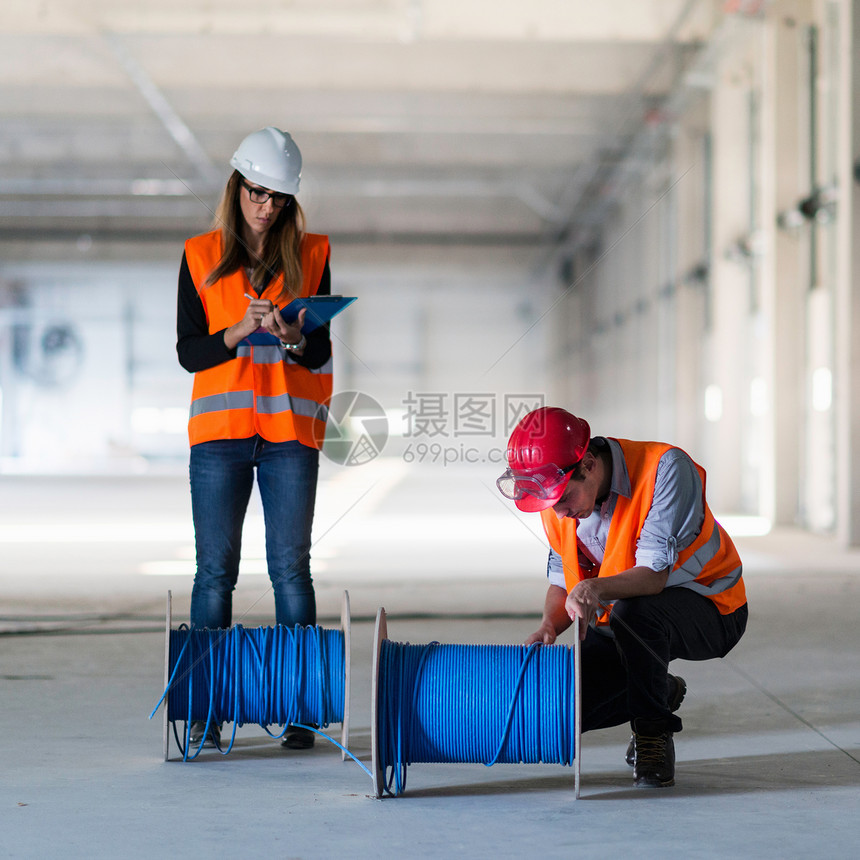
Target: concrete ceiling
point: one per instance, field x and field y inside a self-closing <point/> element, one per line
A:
<point x="419" y="120"/>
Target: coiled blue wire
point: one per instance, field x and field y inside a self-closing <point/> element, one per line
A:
<point x="265" y="675"/>
<point x="474" y="703"/>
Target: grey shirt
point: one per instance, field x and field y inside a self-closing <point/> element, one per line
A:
<point x="672" y="524"/>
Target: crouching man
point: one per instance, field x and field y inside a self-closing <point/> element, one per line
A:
<point x="637" y="555"/>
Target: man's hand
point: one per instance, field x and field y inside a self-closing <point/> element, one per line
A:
<point x="584" y="602"/>
<point x="554" y="620"/>
<point x="545" y="635"/>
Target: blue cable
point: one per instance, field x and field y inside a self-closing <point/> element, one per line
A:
<point x="269" y="675"/>
<point x="474" y="703"/>
<point x="437" y="703"/>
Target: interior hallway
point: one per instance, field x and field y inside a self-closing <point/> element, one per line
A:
<point x="768" y="763"/>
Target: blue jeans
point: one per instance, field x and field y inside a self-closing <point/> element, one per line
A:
<point x="222" y="477"/>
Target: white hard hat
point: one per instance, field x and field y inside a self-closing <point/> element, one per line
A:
<point x="270" y="158"/>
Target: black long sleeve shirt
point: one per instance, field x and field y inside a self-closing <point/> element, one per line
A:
<point x="199" y="350"/>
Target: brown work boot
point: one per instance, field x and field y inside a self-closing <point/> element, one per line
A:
<point x="654" y="755"/>
<point x="677" y="691"/>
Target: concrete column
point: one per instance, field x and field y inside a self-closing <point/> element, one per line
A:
<point x="784" y="303"/>
<point x="728" y="346"/>
<point x="691" y="277"/>
<point x="848" y="287"/>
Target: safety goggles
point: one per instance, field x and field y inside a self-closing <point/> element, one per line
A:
<point x="541" y="482"/>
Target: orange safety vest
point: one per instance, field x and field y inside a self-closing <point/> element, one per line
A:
<point x="262" y="390"/>
<point x="710" y="566"/>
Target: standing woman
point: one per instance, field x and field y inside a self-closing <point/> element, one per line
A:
<point x="254" y="407"/>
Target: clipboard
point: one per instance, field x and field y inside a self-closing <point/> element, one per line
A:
<point x="320" y="309"/>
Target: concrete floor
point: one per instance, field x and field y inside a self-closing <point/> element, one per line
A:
<point x="768" y="763"/>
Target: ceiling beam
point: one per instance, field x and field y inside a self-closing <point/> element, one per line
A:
<point x="161" y="107"/>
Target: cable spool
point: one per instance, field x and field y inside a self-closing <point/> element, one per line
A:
<point x="472" y="703"/>
<point x="267" y="675"/>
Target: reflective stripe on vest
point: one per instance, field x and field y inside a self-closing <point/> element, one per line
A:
<point x="287" y="403"/>
<point x="275" y="355"/>
<point x="218" y="402"/>
<point x="685" y="575"/>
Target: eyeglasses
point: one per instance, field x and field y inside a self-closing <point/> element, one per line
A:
<point x="260" y="196"/>
<point x="540" y="482"/>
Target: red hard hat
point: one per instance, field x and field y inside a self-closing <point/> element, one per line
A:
<point x="542" y="450"/>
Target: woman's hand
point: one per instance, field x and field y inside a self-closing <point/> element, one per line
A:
<point x="256" y="313"/>
<point x="253" y="319"/>
<point x="286" y="332"/>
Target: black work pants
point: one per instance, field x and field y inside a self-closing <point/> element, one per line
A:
<point x="625" y="675"/>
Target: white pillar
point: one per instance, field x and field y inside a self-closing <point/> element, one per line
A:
<point x="848" y="286"/>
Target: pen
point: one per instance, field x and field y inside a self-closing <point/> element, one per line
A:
<point x="253" y="298"/>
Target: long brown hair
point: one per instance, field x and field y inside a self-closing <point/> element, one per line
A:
<point x="281" y="247"/>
